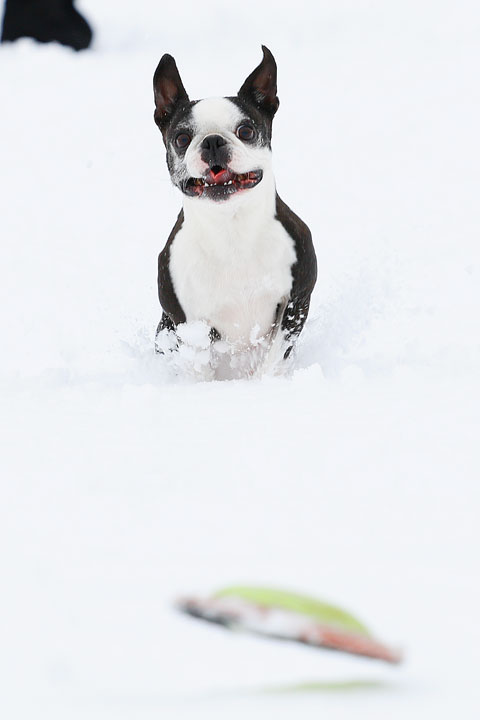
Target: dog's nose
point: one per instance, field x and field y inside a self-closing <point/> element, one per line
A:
<point x="213" y="142"/>
<point x="215" y="150"/>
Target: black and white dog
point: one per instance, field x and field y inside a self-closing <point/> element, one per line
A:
<point x="238" y="259"/>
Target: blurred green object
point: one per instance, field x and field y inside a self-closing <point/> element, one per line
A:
<point x="304" y="605"/>
<point x="286" y="615"/>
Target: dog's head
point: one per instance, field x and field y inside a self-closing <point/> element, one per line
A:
<point x="220" y="147"/>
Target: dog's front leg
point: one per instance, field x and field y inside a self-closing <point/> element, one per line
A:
<point x="293" y="320"/>
<point x="166" y="338"/>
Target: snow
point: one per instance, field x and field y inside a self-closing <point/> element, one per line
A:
<point x="356" y="479"/>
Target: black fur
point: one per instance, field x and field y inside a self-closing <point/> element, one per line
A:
<point x="173" y="313"/>
<point x="304" y="273"/>
<point x="171" y="98"/>
<point x="260" y="87"/>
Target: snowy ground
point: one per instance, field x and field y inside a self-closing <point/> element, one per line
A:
<point x="356" y="479"/>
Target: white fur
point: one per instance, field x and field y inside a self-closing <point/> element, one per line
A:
<point x="231" y="261"/>
<point x="215" y="115"/>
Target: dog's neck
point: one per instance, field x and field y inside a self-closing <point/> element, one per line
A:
<point x="245" y="214"/>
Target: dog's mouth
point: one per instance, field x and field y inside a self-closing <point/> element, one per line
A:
<point x="219" y="183"/>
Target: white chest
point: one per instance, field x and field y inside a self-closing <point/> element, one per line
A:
<point x="232" y="273"/>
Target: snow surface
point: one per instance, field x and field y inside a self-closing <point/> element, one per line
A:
<point x="356" y="479"/>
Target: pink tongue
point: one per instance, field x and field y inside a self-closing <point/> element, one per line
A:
<point x="217" y="177"/>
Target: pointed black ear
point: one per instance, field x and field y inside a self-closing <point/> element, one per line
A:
<point x="260" y="87"/>
<point x="168" y="90"/>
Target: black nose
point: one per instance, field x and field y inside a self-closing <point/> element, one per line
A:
<point x="213" y="142"/>
<point x="215" y="150"/>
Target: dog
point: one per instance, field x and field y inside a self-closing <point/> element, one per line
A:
<point x="238" y="260"/>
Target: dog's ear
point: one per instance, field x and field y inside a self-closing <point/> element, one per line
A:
<point x="260" y="87"/>
<point x="168" y="90"/>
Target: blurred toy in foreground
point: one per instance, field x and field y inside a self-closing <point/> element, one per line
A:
<point x="288" y="616"/>
<point x="46" y="21"/>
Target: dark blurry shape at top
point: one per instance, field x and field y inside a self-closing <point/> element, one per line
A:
<point x="46" y="21"/>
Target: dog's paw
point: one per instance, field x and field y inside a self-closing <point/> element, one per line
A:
<point x="166" y="341"/>
<point x="187" y="350"/>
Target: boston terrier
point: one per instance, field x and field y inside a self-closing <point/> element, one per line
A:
<point x="238" y="260"/>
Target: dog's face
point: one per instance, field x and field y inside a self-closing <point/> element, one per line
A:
<point x="220" y="147"/>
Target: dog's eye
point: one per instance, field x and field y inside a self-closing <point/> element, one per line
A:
<point x="183" y="140"/>
<point x="245" y="132"/>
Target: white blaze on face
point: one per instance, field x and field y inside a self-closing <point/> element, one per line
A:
<point x="219" y="116"/>
<point x="215" y="116"/>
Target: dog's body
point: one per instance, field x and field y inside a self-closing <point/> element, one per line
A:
<point x="237" y="258"/>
